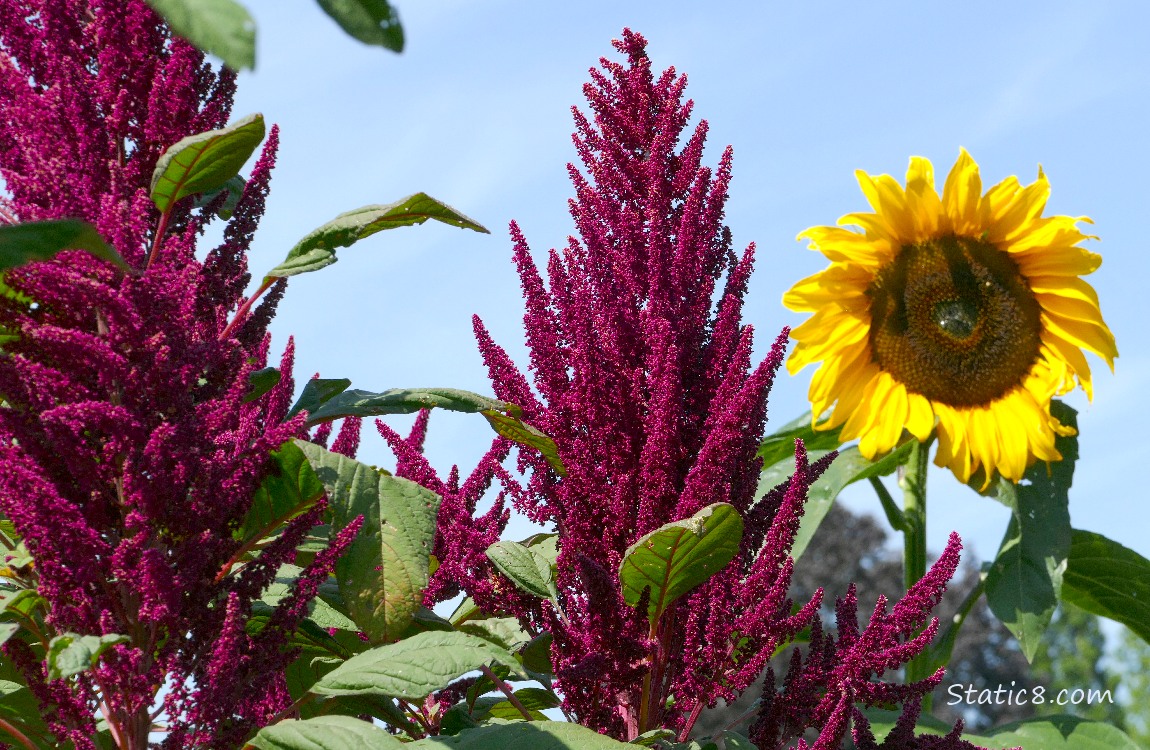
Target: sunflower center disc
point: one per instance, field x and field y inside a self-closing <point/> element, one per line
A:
<point x="954" y="320"/>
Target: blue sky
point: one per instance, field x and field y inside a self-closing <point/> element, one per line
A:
<point x="476" y="113"/>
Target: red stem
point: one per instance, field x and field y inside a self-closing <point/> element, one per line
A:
<point x="506" y="690"/>
<point x="161" y="229"/>
<point x="20" y="736"/>
<point x="246" y="306"/>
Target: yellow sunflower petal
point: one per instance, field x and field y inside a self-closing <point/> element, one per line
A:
<point x="844" y="246"/>
<point x="842" y="285"/>
<point x="1019" y="213"/>
<point x="961" y="194"/>
<point x="923" y="203"/>
<point x="920" y="417"/>
<point x="1058" y="261"/>
<point x="889" y="201"/>
<point x="1093" y="337"/>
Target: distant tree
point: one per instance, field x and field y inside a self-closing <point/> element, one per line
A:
<point x="1074" y="659"/>
<point x="1131" y="665"/>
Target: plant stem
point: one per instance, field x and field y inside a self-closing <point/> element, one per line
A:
<point x="912" y="480"/>
<point x="161" y="230"/>
<point x="17" y="734"/>
<point x="889" y="506"/>
<point x="506" y="690"/>
<point x="247" y="305"/>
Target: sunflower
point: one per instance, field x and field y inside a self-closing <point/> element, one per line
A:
<point x="964" y="314"/>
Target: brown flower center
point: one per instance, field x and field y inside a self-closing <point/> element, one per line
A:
<point x="954" y="320"/>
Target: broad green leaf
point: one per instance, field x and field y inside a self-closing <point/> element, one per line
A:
<point x="536" y="655"/>
<point x="678" y="556"/>
<point x="291" y="489"/>
<point x="219" y="27"/>
<point x="319" y="611"/>
<point x="41" y="240"/>
<point x="652" y="737"/>
<point x="848" y="467"/>
<point x="317" y="392"/>
<point x="7" y="630"/>
<point x="357" y="403"/>
<point x="317" y="249"/>
<point x="17" y="702"/>
<point x="233" y="189"/>
<point x="523" y="735"/>
<point x="1044" y="733"/>
<point x="414" y="667"/>
<point x="16" y="562"/>
<point x="1105" y="578"/>
<point x="70" y="654"/>
<point x="261" y="382"/>
<point x="535" y="700"/>
<point x="23" y="601"/>
<point x="504" y="632"/>
<point x="383" y="573"/>
<point x="527" y="569"/>
<point x="520" y="432"/>
<point x="736" y="741"/>
<point x="423" y="620"/>
<point x="780" y="445"/>
<point x="464" y="611"/>
<point x="205" y="161"/>
<point x="325" y="733"/>
<point x="1023" y="584"/>
<point x="370" y="21"/>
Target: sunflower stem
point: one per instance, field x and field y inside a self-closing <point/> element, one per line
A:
<point x="912" y="480"/>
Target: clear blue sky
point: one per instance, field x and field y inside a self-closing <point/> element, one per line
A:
<point x="476" y="113"/>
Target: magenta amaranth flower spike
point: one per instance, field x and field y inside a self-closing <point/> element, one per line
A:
<point x="128" y="454"/>
<point x="643" y="376"/>
<point x="462" y="537"/>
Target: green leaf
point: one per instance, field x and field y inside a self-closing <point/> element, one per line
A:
<point x="736" y="741"/>
<point x="504" y="632"/>
<point x="357" y="403"/>
<point x="780" y="445"/>
<point x="849" y="466"/>
<point x="290" y="490"/>
<point x="317" y="249"/>
<point x="652" y="737"/>
<point x="70" y="654"/>
<point x="317" y="392"/>
<point x="523" y="735"/>
<point x="1105" y="578"/>
<point x="383" y="573"/>
<point x="7" y="630"/>
<point x="41" y="240"/>
<point x="17" y="702"/>
<point x="219" y="27"/>
<point x="319" y="611"/>
<point x="23" y="601"/>
<point x="520" y="432"/>
<point x="679" y="556"/>
<point x="370" y="21"/>
<point x="414" y="667"/>
<point x="325" y="733"/>
<point x="1023" y="584"/>
<point x="233" y="188"/>
<point x="204" y="162"/>
<point x="261" y="382"/>
<point x="536" y="655"/>
<point x="535" y="700"/>
<point x="1044" y="733"/>
<point x="527" y="569"/>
